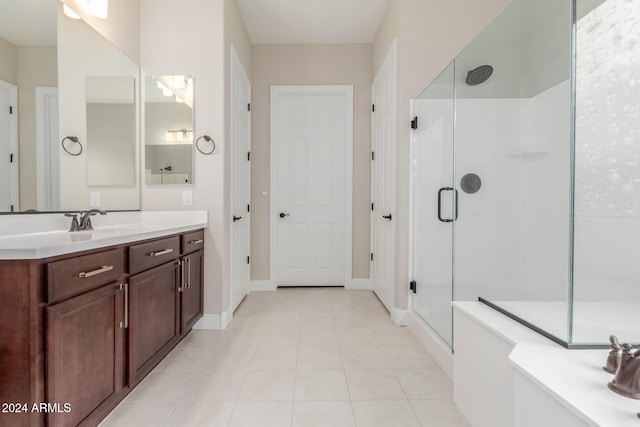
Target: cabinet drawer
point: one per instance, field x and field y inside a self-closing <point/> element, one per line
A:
<point x="82" y="273"/>
<point x="192" y="241"/>
<point x="147" y="255"/>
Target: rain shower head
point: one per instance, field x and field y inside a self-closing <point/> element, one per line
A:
<point x="479" y="75"/>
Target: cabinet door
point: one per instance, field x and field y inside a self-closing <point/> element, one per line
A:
<point x="85" y="355"/>
<point x="154" y="323"/>
<point x="191" y="291"/>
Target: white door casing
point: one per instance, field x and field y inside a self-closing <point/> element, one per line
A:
<point x="240" y="141"/>
<point x="9" y="173"/>
<point x="311" y="185"/>
<point x="47" y="152"/>
<point x="383" y="182"/>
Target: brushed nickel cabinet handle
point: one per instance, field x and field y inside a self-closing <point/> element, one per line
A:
<point x="196" y="242"/>
<point x="189" y="272"/>
<point x="125" y="322"/>
<point x="163" y="252"/>
<point x="182" y="285"/>
<point x="101" y="270"/>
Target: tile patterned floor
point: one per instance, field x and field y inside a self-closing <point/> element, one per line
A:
<point x="296" y="357"/>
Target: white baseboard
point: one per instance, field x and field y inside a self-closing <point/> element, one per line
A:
<point x="360" y="284"/>
<point x="208" y="321"/>
<point x="262" y="285"/>
<point x="437" y="348"/>
<point x="400" y="317"/>
<point x="225" y="318"/>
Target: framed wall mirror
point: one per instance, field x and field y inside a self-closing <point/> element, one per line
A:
<point x="168" y="124"/>
<point x="45" y="60"/>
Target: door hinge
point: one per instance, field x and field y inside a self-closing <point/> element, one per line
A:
<point x="373" y="155"/>
<point x="10" y="109"/>
<point x="413" y="286"/>
<point x="248" y="156"/>
<point x="373" y="108"/>
<point x="248" y="259"/>
<point x="414" y="123"/>
<point x="249" y="107"/>
<point x="371" y="256"/>
<point x="371" y="206"/>
<point x="248" y="208"/>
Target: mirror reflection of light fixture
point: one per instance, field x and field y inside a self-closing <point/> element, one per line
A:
<point x="99" y="8"/>
<point x="179" y="135"/>
<point x="69" y="12"/>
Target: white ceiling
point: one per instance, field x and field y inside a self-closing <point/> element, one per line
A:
<point x="33" y="22"/>
<point x="312" y="21"/>
<point x="28" y="22"/>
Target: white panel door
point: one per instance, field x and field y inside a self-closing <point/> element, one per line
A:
<point x="240" y="179"/>
<point x="310" y="129"/>
<point x="8" y="148"/>
<point x="383" y="137"/>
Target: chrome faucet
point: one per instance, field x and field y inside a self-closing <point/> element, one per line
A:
<point x="85" y="218"/>
<point x="627" y="379"/>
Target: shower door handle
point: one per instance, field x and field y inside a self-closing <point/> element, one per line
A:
<point x="455" y="204"/>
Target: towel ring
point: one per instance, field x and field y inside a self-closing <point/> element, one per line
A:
<point x="208" y="139"/>
<point x="72" y="139"/>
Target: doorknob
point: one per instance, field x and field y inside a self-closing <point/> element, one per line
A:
<point x="387" y="217"/>
<point x="236" y="218"/>
<point x="282" y="214"/>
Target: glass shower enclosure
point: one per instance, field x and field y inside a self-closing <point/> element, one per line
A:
<point x="526" y="173"/>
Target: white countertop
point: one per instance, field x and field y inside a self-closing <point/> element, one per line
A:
<point x="573" y="377"/>
<point x="46" y="235"/>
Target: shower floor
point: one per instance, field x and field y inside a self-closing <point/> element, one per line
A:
<point x="593" y="321"/>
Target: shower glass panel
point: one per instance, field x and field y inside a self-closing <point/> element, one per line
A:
<point x="607" y="171"/>
<point x="433" y="204"/>
<point x="512" y="239"/>
<point x="492" y="201"/>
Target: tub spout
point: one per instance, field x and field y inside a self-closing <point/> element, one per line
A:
<point x="627" y="379"/>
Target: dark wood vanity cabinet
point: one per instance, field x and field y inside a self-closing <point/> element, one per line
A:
<point x="85" y="355"/>
<point x="154" y="313"/>
<point x="79" y="331"/>
<point x="192" y="285"/>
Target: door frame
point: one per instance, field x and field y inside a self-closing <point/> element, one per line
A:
<point x="347" y="92"/>
<point x="13" y="131"/>
<point x="47" y="154"/>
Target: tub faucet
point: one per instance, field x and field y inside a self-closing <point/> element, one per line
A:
<point x="627" y="379"/>
<point x="85" y="218"/>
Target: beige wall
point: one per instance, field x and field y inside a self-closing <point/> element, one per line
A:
<point x="199" y="49"/>
<point x="37" y="67"/>
<point x="430" y="34"/>
<point x="8" y="62"/>
<point x="309" y="65"/>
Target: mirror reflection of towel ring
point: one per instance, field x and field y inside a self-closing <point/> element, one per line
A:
<point x="209" y="140"/>
<point x="73" y="139"/>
